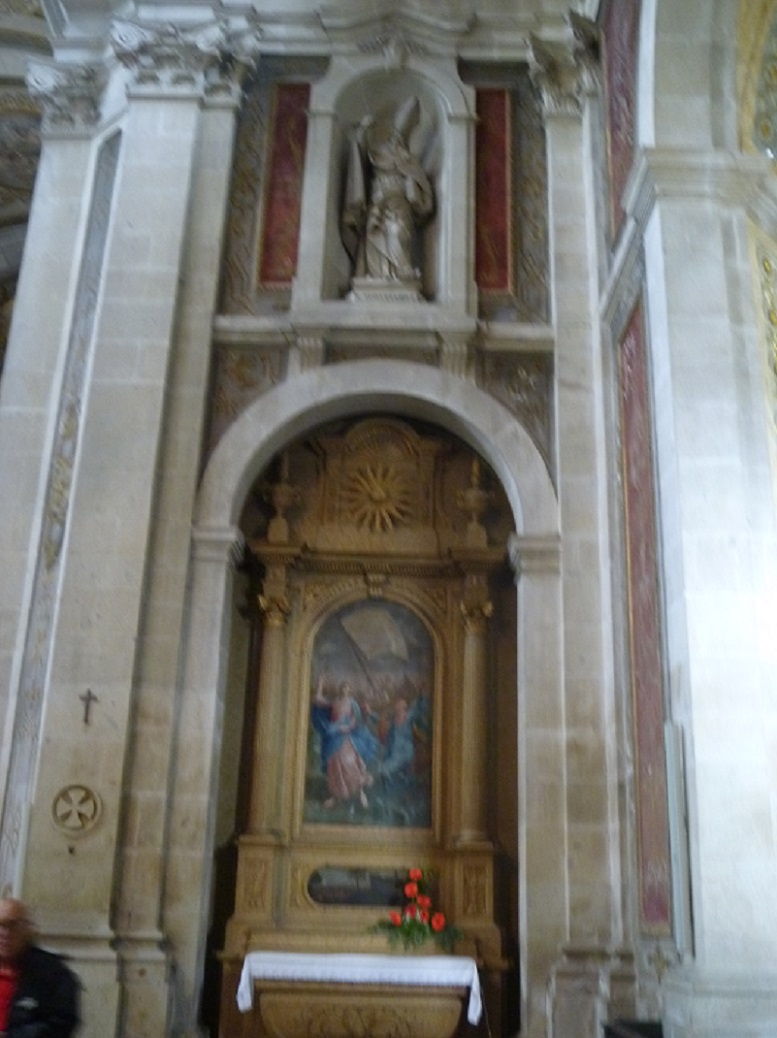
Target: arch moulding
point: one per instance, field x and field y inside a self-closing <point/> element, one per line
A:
<point x="281" y="415"/>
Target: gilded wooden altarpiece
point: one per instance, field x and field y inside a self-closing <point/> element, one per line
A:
<point x="376" y="543"/>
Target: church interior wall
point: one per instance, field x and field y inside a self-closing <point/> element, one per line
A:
<point x="146" y="590"/>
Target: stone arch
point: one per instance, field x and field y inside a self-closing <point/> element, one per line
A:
<point x="415" y="390"/>
<point x="281" y="415"/>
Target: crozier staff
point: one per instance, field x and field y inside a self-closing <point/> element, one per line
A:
<point x="39" y="994"/>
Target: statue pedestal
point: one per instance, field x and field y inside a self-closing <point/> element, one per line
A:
<point x="358" y="996"/>
<point x="380" y="290"/>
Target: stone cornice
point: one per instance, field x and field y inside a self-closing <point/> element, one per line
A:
<point x="397" y="25"/>
<point x="222" y="545"/>
<point x="728" y="179"/>
<point x="532" y="555"/>
<point x="674" y="174"/>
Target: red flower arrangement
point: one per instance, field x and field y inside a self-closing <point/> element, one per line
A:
<point x="418" y="922"/>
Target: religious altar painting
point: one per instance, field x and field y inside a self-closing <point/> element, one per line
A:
<point x="644" y="632"/>
<point x="493" y="233"/>
<point x="369" y="758"/>
<point x="381" y="888"/>
<point x="620" y="33"/>
<point x="283" y="190"/>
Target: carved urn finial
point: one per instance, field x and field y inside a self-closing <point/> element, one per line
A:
<point x="474" y="500"/>
<point x="283" y="494"/>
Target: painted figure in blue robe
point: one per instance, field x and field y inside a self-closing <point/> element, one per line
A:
<point x="409" y="724"/>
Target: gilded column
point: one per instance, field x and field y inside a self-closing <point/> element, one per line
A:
<point x="476" y="608"/>
<point x="264" y="810"/>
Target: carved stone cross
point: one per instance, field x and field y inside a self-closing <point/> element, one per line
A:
<point x="87" y="698"/>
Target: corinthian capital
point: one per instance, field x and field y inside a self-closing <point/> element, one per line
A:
<point x="69" y="96"/>
<point x="166" y="59"/>
<point x="564" y="71"/>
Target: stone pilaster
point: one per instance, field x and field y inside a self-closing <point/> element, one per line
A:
<point x="476" y="608"/>
<point x="719" y="545"/>
<point x="199" y="727"/>
<point x="51" y="335"/>
<point x="541" y="767"/>
<point x="565" y="73"/>
<point x="70" y="96"/>
<point x="264" y="811"/>
<point x="125" y="549"/>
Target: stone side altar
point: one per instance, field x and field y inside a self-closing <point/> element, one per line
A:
<point x="357" y="996"/>
<point x="371" y="599"/>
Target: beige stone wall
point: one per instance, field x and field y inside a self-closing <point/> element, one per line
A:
<point x="121" y="533"/>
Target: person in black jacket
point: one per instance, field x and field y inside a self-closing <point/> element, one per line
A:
<point x="39" y="994"/>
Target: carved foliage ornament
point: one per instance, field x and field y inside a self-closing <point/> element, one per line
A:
<point x="69" y="97"/>
<point x="164" y="56"/>
<point x="565" y="71"/>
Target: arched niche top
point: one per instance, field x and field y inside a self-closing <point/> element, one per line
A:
<point x="321" y="395"/>
<point x="354" y="86"/>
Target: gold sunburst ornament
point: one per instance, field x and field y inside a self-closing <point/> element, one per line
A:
<point x="378" y="496"/>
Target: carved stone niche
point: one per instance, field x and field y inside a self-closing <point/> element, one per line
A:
<point x="378" y="543"/>
<point x="375" y="139"/>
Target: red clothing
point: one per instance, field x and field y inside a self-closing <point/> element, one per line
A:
<point x="9" y="980"/>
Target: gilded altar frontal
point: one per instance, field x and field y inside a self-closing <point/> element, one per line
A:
<point x="388" y="520"/>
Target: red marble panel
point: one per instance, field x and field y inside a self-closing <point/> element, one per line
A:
<point x="645" y="632"/>
<point x="620" y="32"/>
<point x="283" y="191"/>
<point x="493" y="201"/>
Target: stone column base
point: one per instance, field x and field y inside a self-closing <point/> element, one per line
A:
<point x="590" y="985"/>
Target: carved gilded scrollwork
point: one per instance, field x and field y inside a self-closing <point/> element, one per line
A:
<point x="475" y="885"/>
<point x="255" y="886"/>
<point x="275" y="608"/>
<point x="375" y="611"/>
<point x="300" y="877"/>
<point x="343" y="1016"/>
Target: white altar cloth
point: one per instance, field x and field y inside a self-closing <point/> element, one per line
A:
<point x="350" y="968"/>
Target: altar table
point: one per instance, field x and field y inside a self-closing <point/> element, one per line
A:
<point x="432" y="971"/>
